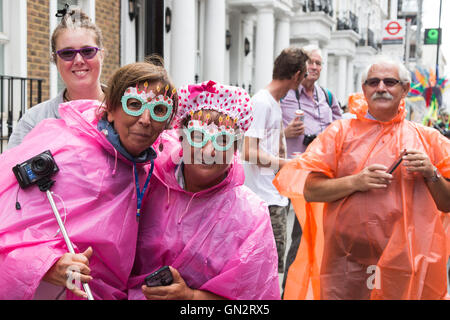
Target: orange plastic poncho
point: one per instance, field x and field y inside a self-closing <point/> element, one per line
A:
<point x="380" y="244"/>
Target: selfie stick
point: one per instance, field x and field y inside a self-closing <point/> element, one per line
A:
<point x="66" y="238"/>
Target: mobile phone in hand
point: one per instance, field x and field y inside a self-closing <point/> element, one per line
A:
<point x="396" y="162"/>
<point x="161" y="277"/>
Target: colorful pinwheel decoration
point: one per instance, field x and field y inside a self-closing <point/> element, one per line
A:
<point x="425" y="85"/>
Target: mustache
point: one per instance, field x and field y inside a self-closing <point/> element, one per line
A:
<point x="382" y="95"/>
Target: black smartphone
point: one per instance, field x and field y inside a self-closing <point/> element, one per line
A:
<point x="396" y="163"/>
<point x="161" y="277"/>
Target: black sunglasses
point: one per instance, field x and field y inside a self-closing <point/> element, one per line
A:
<point x="70" y="54"/>
<point x="388" y="82"/>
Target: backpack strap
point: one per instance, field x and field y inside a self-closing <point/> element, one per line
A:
<point x="328" y="96"/>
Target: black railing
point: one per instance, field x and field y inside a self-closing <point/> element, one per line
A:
<point x="349" y="21"/>
<point x="342" y="24"/>
<point x="318" y="5"/>
<point x="13" y="103"/>
<point x="369" y="40"/>
<point x="353" y="22"/>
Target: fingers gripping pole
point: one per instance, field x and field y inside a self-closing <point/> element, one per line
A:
<point x="66" y="238"/>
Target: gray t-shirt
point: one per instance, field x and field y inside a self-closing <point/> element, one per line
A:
<point x="41" y="111"/>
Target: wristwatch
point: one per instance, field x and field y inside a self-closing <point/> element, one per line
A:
<point x="436" y="176"/>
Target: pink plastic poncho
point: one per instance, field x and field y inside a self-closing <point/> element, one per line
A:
<point x="379" y="244"/>
<point x="220" y="239"/>
<point x="97" y="186"/>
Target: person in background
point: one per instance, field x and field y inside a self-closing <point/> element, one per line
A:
<point x="320" y="107"/>
<point x="264" y="141"/>
<point x="347" y="114"/>
<point x="77" y="50"/>
<point x="105" y="158"/>
<point x="213" y="232"/>
<point x="377" y="192"/>
<point x="442" y="123"/>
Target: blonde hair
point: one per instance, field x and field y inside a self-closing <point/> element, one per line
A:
<point x="74" y="19"/>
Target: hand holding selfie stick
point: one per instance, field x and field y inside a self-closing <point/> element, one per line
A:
<point x="65" y="235"/>
<point x="38" y="170"/>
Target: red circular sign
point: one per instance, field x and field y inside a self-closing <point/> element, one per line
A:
<point x="393" y="28"/>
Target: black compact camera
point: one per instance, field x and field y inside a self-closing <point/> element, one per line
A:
<point x="161" y="277"/>
<point x="308" y="139"/>
<point x="35" y="170"/>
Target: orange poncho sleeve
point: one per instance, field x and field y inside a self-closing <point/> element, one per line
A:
<point x="304" y="273"/>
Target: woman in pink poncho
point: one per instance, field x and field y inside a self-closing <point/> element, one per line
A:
<point x="104" y="169"/>
<point x="213" y="232"/>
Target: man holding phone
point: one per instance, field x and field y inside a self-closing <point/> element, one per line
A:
<point x="378" y="235"/>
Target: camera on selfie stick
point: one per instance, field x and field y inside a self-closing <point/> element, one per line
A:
<point x="38" y="170"/>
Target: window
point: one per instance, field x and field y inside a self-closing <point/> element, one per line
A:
<point x="71" y="3"/>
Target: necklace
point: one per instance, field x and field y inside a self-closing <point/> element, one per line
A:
<point x="66" y="96"/>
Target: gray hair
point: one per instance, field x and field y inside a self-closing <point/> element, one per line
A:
<point x="403" y="72"/>
<point x="310" y="48"/>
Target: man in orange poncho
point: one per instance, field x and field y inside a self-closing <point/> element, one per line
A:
<point x="370" y="234"/>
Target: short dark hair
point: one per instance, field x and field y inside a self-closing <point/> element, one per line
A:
<point x="289" y="61"/>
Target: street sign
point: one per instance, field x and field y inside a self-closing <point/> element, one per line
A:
<point x="433" y="36"/>
<point x="393" y="31"/>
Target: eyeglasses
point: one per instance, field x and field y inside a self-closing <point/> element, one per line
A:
<point x="316" y="62"/>
<point x="388" y="82"/>
<point x="70" y="54"/>
<point x="222" y="140"/>
<point x="160" y="109"/>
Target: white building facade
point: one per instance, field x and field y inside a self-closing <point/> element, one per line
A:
<point x="236" y="41"/>
<point x="232" y="41"/>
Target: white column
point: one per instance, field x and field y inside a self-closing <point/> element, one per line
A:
<point x="182" y="68"/>
<point x="350" y="79"/>
<point x="247" y="63"/>
<point x="237" y="48"/>
<point x="227" y="56"/>
<point x="127" y="37"/>
<point x="15" y="26"/>
<point x="283" y="30"/>
<point x="264" y="48"/>
<point x="53" y="79"/>
<point x="214" y="57"/>
<point x="342" y="65"/>
<point x="323" y="80"/>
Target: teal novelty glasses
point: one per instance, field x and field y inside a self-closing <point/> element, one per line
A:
<point x="199" y="137"/>
<point x="160" y="107"/>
